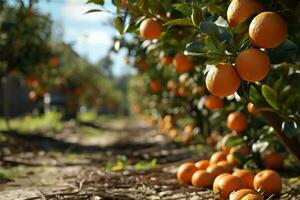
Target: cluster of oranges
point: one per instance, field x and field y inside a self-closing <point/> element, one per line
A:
<point x="217" y="173"/>
<point x="267" y="30"/>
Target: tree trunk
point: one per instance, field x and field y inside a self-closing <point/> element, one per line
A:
<point x="291" y="144"/>
<point x="6" y="102"/>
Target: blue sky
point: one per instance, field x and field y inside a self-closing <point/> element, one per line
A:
<point x="90" y="34"/>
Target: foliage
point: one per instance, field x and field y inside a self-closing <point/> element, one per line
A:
<point x="200" y="30"/>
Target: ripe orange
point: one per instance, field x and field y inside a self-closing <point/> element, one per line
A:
<point x="269" y="181"/>
<point x="226" y="165"/>
<point x="228" y="184"/>
<point x="155" y="86"/>
<point x="217" y="157"/>
<point x="185" y="172"/>
<point x="273" y="160"/>
<point x="268" y="30"/>
<point x="166" y="60"/>
<point x="215" y="170"/>
<point x="240" y="10"/>
<point x="202" y="164"/>
<point x="150" y="29"/>
<point x="187" y="134"/>
<point x="243" y="194"/>
<point x="246" y="176"/>
<point x="32" y="96"/>
<point x="182" y="91"/>
<point x="198" y="90"/>
<point x="253" y="65"/>
<point x="251" y="108"/>
<point x="124" y="4"/>
<point x="217" y="179"/>
<point x="224" y="140"/>
<point x="236" y="121"/>
<point x="213" y="103"/>
<point x="252" y="197"/>
<point x="183" y="78"/>
<point x="173" y="134"/>
<point x="222" y="80"/>
<point x="182" y="63"/>
<point x="172" y="85"/>
<point x="201" y="178"/>
<point x="168" y="118"/>
<point x="141" y="64"/>
<point x="53" y="62"/>
<point x="241" y="149"/>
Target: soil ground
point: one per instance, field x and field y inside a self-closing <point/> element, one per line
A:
<point x="122" y="159"/>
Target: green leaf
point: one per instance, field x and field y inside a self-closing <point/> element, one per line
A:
<point x="209" y="28"/>
<point x="234" y="141"/>
<point x="118" y="24"/>
<point x="197" y="15"/>
<point x="290" y="129"/>
<point x="255" y="96"/>
<point x="99" y="2"/>
<point x="239" y="157"/>
<point x="180" y="22"/>
<point x="196" y="48"/>
<point x="270" y="96"/>
<point x="283" y="52"/>
<point x="184" y="8"/>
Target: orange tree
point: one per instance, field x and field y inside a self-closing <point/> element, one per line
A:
<point x="244" y="51"/>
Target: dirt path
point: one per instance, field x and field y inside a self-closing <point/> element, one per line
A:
<point x="125" y="160"/>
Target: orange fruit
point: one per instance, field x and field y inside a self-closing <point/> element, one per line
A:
<point x="251" y="108"/>
<point x="273" y="160"/>
<point x="32" y="96"/>
<point x="268" y="30"/>
<point x="168" y="118"/>
<point x="202" y="164"/>
<point x="212" y="102"/>
<point x="241" y="149"/>
<point x="240" y="10"/>
<point x="150" y="29"/>
<point x="141" y="64"/>
<point x="185" y="172"/>
<point x="124" y="4"/>
<point x="187" y="134"/>
<point x="183" y="78"/>
<point x="224" y="140"/>
<point x="211" y="141"/>
<point x="198" y="90"/>
<point x="53" y="62"/>
<point x="226" y="165"/>
<point x="246" y="176"/>
<point x="231" y="159"/>
<point x="215" y="170"/>
<point x="228" y="184"/>
<point x="173" y="134"/>
<point x="201" y="178"/>
<point x="182" y="63"/>
<point x="166" y="60"/>
<point x="269" y="181"/>
<point x="253" y="65"/>
<point x="222" y="80"/>
<point x="252" y="197"/>
<point x="171" y="85"/>
<point x="243" y="194"/>
<point x="217" y="179"/>
<point x="236" y="121"/>
<point x="217" y="157"/>
<point x="155" y="86"/>
<point x="182" y="91"/>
